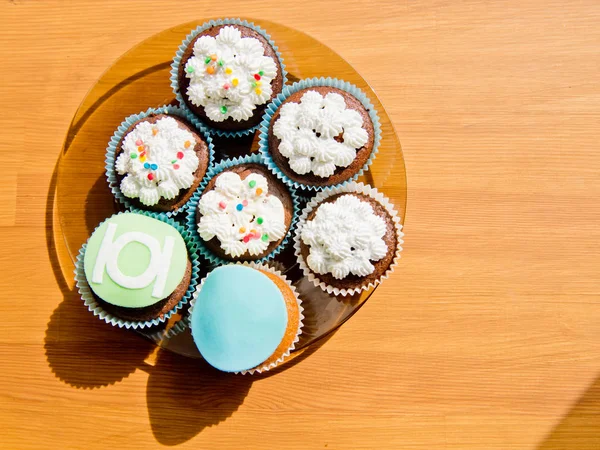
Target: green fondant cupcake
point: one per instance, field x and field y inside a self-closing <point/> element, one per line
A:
<point x="136" y="269"/>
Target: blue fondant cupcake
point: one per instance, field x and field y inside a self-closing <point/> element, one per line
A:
<point x="245" y="318"/>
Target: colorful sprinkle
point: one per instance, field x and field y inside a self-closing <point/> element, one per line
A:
<point x="221" y="63"/>
<point x="228" y="71"/>
<point x="225" y="86"/>
<point x="261" y="73"/>
<point x="253" y="231"/>
<point x="133" y="155"/>
<point x="257" y="235"/>
<point x="154" y="166"/>
<point x="140" y="148"/>
<point x="151" y="176"/>
<point x="175" y="166"/>
<point x="146" y="165"/>
<point x="253" y="84"/>
<point x="246" y="239"/>
<point x="258" y="91"/>
<point x="245" y="202"/>
<point x="179" y="155"/>
<point x="265" y="237"/>
<point x="213" y="57"/>
<point x="139" y="142"/>
<point x="143" y="153"/>
<point x="252" y="183"/>
<point x="257" y="76"/>
<point x="234" y="82"/>
<point x="173" y="161"/>
<point x="207" y="60"/>
<point x="187" y="144"/>
<point x="259" y="191"/>
<point x="223" y="109"/>
<point x="189" y="69"/>
<point x="259" y="83"/>
<point x="210" y="69"/>
<point x="142" y="158"/>
<point x="154" y="131"/>
<point x="222" y="205"/>
<point x="242" y="230"/>
<point x="259" y="220"/>
<point x="239" y="207"/>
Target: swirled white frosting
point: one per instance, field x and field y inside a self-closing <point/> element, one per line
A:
<point x="229" y="75"/>
<point x="241" y="214"/>
<point x="344" y="237"/>
<point x="307" y="131"/>
<point x="158" y="160"/>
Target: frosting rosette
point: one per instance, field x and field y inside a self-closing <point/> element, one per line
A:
<point x="344" y="237"/>
<point x="319" y="133"/>
<point x="241" y="214"/>
<point x="157" y="161"/>
<point x="348" y="239"/>
<point x="229" y="75"/>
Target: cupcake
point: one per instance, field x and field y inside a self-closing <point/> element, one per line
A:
<point x="245" y="318"/>
<point x="156" y="160"/>
<point x="226" y="72"/>
<point x="320" y="135"/>
<point x="348" y="239"/>
<point x="136" y="270"/>
<point x="243" y="212"/>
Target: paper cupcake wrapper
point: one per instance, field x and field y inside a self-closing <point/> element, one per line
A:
<point x="111" y="175"/>
<point x="349" y="187"/>
<point x="90" y="301"/>
<point x="181" y="50"/>
<point x="162" y="335"/>
<point x="192" y="205"/>
<point x="307" y="83"/>
<point x="269" y="269"/>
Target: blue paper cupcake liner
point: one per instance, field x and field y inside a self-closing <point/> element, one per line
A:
<point x="181" y="50"/>
<point x="111" y="174"/>
<point x="90" y="301"/>
<point x="307" y="83"/>
<point x="192" y="226"/>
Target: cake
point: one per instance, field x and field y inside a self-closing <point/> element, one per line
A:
<point x="320" y="136"/>
<point x="159" y="161"/>
<point x="138" y="268"/>
<point x="245" y="318"/>
<point x="244" y="213"/>
<point x="227" y="74"/>
<point x="348" y="239"/>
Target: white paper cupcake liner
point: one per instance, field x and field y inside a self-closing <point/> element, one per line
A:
<point x="269" y="269"/>
<point x="90" y="301"/>
<point x="350" y="187"/>
<point x="111" y="174"/>
<point x="181" y="50"/>
<point x="192" y="205"/>
<point x="263" y="141"/>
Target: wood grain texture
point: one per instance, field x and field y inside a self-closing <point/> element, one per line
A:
<point x="488" y="335"/>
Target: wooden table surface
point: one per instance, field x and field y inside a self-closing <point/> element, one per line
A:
<point x="486" y="337"/>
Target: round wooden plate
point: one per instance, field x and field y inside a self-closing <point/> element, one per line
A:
<point x="140" y="79"/>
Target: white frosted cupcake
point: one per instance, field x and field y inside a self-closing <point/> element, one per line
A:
<point x="348" y="239"/>
<point x="226" y="72"/>
<point x="157" y="159"/>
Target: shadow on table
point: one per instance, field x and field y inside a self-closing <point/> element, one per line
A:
<point x="184" y="395"/>
<point x="580" y="427"/>
<point x="85" y="352"/>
